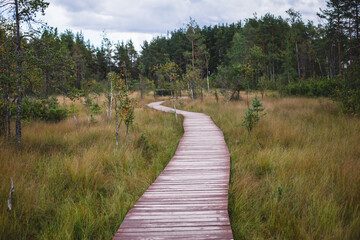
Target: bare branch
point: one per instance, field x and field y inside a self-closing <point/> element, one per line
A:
<point x="5" y="10"/>
<point x="6" y="42"/>
<point x="6" y="4"/>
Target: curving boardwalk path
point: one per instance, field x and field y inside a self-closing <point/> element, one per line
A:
<point x="189" y="200"/>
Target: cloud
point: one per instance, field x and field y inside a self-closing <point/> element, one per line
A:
<point x="143" y="18"/>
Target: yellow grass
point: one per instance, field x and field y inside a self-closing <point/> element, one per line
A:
<point x="69" y="181"/>
<point x="297" y="175"/>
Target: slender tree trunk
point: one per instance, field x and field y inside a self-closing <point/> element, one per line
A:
<point x="247" y="97"/>
<point x="298" y="64"/>
<point x="273" y="70"/>
<point x="357" y="21"/>
<point x="118" y="124"/>
<point x="350" y="47"/>
<point x="288" y="78"/>
<point x="207" y="80"/>
<point x="124" y="67"/>
<point x="338" y="41"/>
<point x="202" y="90"/>
<point x="193" y="68"/>
<point x="127" y="134"/>
<point x="8" y="115"/>
<point x="3" y="120"/>
<point x="19" y="77"/>
<point x="319" y="66"/>
<point x="46" y="84"/>
<point x="231" y="97"/>
<point x="141" y="87"/>
<point x="111" y="99"/>
<point x="192" y="94"/>
<point x="172" y="95"/>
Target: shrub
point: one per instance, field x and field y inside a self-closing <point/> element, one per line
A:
<point x="320" y="87"/>
<point x="56" y="114"/>
<point x="44" y="109"/>
<point x="95" y="108"/>
<point x="348" y="90"/>
<point x="73" y="109"/>
<point x="252" y="115"/>
<point x="32" y="109"/>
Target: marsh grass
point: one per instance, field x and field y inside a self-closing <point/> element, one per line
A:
<point x="297" y="176"/>
<point x="69" y="181"/>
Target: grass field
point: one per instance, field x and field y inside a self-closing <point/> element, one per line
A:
<point x="69" y="181"/>
<point x="297" y="175"/>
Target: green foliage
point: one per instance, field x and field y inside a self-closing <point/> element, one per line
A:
<point x="216" y="95"/>
<point x="347" y="91"/>
<point x="46" y="109"/>
<point x="95" y="108"/>
<point x="168" y="76"/>
<point x="56" y="114"/>
<point x="73" y="110"/>
<point x="33" y="109"/>
<point x="92" y="119"/>
<point x="124" y="106"/>
<point x="318" y="87"/>
<point x="253" y="115"/>
<point x="224" y="93"/>
<point x="127" y="108"/>
<point x="88" y="103"/>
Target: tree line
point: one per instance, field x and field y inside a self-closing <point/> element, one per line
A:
<point x="259" y="53"/>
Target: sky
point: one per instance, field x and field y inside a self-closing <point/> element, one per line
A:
<point x="141" y="20"/>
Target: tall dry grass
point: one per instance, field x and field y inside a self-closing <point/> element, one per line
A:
<point x="297" y="175"/>
<point x="69" y="181"/>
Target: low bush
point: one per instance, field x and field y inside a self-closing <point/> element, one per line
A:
<point x="320" y="87"/>
<point x="56" y="114"/>
<point x="43" y="109"/>
<point x="347" y="92"/>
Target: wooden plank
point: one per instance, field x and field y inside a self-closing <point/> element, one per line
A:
<point x="189" y="200"/>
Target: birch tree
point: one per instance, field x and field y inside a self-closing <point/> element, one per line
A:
<point x="108" y="49"/>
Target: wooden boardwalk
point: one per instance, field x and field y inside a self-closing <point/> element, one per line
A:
<point x="189" y="200"/>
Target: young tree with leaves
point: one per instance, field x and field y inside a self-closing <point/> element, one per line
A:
<point x="124" y="106"/>
<point x="169" y="75"/>
<point x="107" y="45"/>
<point x="193" y="34"/>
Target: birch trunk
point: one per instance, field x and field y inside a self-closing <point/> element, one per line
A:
<point x="207" y="80"/>
<point x="18" y="82"/>
<point x="8" y="116"/>
<point x="172" y="95"/>
<point x="298" y="63"/>
<point x="111" y="100"/>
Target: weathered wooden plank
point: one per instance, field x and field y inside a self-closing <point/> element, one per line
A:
<point x="173" y="229"/>
<point x="174" y="237"/>
<point x="178" y="233"/>
<point x="189" y="198"/>
<point x="138" y="224"/>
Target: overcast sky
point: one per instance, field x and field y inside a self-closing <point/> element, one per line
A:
<point x="141" y="20"/>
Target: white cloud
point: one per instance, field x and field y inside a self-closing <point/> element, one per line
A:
<point x="142" y="19"/>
